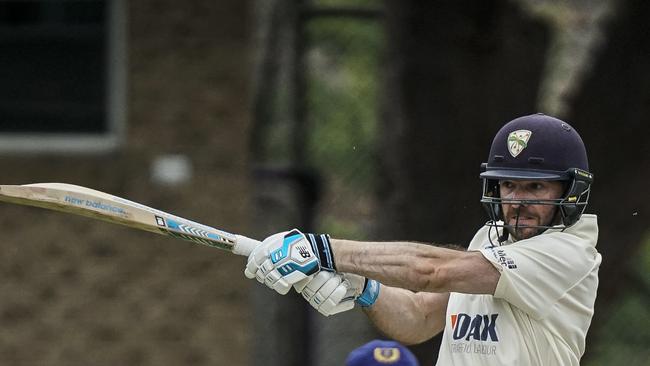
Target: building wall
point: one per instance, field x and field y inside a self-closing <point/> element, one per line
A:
<point x="75" y="291"/>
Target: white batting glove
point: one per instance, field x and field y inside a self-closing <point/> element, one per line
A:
<point x="332" y="293"/>
<point x="287" y="258"/>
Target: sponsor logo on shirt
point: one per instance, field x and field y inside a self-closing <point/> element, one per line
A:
<point x="480" y="327"/>
<point x="502" y="258"/>
<point x="474" y="334"/>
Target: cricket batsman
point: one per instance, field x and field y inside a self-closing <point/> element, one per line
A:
<point x="522" y="293"/>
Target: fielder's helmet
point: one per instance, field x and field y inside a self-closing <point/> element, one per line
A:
<point x="381" y="353"/>
<point x="538" y="147"/>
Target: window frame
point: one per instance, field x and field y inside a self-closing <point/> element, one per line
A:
<point x="116" y="106"/>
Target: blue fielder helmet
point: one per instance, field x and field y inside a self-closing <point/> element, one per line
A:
<point x="381" y="353"/>
<point x="538" y="147"/>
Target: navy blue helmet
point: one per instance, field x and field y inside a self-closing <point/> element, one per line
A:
<point x="538" y="147"/>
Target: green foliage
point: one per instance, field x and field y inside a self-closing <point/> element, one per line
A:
<point x="343" y="82"/>
<point x="624" y="338"/>
<point x="342" y="228"/>
<point x="342" y="97"/>
<point x="628" y="343"/>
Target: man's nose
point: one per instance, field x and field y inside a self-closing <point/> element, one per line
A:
<point x="514" y="205"/>
<point x="516" y="194"/>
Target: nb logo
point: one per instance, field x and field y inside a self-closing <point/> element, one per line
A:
<point x="302" y="250"/>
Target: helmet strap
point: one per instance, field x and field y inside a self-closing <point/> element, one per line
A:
<point x="504" y="235"/>
<point x="500" y="238"/>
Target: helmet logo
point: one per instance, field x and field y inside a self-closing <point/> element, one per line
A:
<point x="386" y="354"/>
<point x="517" y="141"/>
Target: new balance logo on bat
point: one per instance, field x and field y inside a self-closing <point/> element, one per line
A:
<point x="480" y="327"/>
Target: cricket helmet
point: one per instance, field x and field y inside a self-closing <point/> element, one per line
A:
<point x="538" y="147"/>
<point x="380" y="353"/>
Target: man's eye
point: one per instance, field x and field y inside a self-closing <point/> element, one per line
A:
<point x="538" y="186"/>
<point x="507" y="184"/>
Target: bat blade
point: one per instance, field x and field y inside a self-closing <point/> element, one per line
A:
<point x="99" y="205"/>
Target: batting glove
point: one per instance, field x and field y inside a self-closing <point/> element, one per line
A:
<point x="287" y="258"/>
<point x="332" y="293"/>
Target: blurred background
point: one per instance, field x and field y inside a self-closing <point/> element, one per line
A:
<point x="366" y="119"/>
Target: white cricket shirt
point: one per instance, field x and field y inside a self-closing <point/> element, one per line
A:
<point x="542" y="306"/>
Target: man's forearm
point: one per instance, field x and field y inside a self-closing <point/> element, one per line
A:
<point x="407" y="316"/>
<point x="417" y="267"/>
<point x="413" y="266"/>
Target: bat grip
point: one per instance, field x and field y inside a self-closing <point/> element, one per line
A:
<point x="244" y="246"/>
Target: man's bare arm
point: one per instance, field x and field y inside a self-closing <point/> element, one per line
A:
<point x="417" y="267"/>
<point x="408" y="317"/>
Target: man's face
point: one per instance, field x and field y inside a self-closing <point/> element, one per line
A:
<point x="529" y="215"/>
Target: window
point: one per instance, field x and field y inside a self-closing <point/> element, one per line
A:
<point x="61" y="75"/>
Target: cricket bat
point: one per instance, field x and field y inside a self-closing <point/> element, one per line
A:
<point x="99" y="205"/>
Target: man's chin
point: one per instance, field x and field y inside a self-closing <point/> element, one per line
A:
<point x="523" y="233"/>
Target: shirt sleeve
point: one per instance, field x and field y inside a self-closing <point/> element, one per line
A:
<point x="537" y="272"/>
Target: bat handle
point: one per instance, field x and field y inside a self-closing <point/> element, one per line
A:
<point x="244" y="246"/>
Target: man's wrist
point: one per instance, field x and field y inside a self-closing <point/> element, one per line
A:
<point x="369" y="294"/>
<point x="321" y="246"/>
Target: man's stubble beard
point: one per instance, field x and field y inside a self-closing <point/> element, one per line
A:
<point x="518" y="232"/>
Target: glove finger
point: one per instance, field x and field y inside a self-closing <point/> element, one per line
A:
<point x="350" y="294"/>
<point x="352" y="291"/>
<point x="281" y="286"/>
<point x="300" y="285"/>
<point x="272" y="278"/>
<point x="355" y="281"/>
<point x="330" y="303"/>
<point x="316" y="283"/>
<point x="337" y="294"/>
<point x="324" y="292"/>
<point x="328" y="308"/>
<point x="260" y="256"/>
<point x="251" y="268"/>
<point x="263" y="270"/>
<point x="255" y="259"/>
<point x="249" y="274"/>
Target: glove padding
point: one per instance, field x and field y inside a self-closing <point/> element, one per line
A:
<point x="282" y="260"/>
<point x="331" y="293"/>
